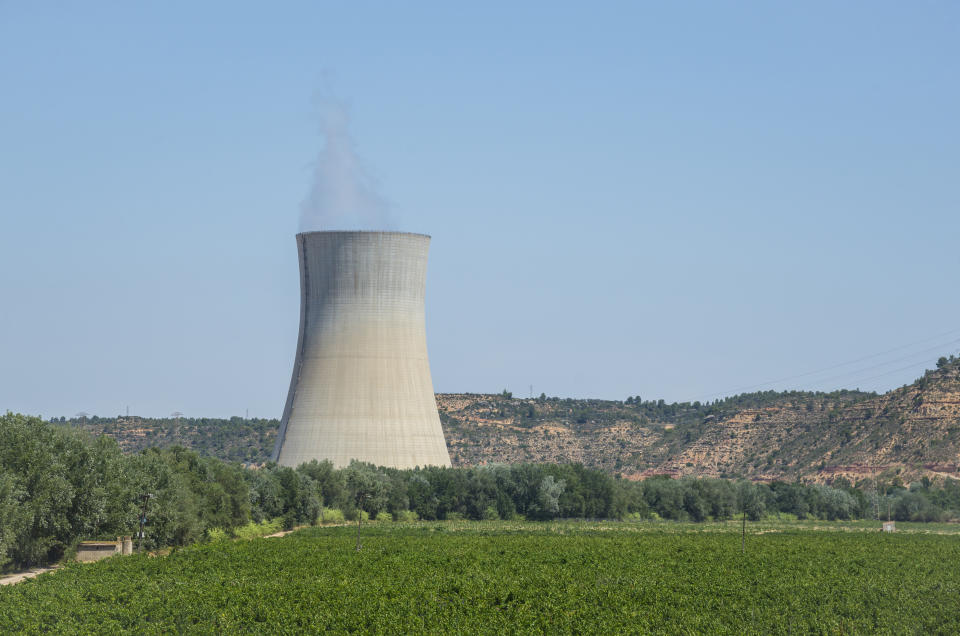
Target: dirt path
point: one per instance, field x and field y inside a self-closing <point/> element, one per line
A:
<point x="282" y="533"/>
<point x="10" y="579"/>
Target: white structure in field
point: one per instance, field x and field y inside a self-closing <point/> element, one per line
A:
<point x="361" y="386"/>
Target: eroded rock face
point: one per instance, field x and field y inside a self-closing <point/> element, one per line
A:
<point x="914" y="430"/>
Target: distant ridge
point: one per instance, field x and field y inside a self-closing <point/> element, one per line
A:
<point x="910" y="432"/>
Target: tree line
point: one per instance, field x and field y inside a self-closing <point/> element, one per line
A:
<point x="59" y="486"/>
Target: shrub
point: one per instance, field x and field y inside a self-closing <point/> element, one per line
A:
<point x="274" y="525"/>
<point x="253" y="530"/>
<point x="351" y="514"/>
<point x="215" y="535"/>
<point x="384" y="516"/>
<point x="406" y="515"/>
<point x="333" y="515"/>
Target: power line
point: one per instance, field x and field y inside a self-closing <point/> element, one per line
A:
<point x="909" y="366"/>
<point x="924" y="352"/>
<point x="843" y="364"/>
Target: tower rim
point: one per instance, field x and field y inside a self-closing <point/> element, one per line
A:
<point x="385" y="232"/>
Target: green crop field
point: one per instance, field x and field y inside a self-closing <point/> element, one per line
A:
<point x="502" y="577"/>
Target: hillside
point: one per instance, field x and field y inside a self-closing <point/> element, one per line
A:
<point x="640" y="438"/>
<point x="912" y="431"/>
<point x="249" y="441"/>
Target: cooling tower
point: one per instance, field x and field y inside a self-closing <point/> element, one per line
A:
<point x="361" y="386"/>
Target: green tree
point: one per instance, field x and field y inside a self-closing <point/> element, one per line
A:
<point x="367" y="489"/>
<point x="12" y="518"/>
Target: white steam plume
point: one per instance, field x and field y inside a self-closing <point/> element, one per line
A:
<point x="343" y="195"/>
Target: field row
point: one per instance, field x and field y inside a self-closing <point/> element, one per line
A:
<point x="507" y="578"/>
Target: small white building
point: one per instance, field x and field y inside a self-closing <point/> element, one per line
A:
<point x="89" y="551"/>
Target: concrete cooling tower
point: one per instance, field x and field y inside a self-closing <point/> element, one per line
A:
<point x="361" y="386"/>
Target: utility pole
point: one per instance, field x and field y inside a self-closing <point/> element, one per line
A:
<point x="143" y="519"/>
<point x="876" y="499"/>
<point x="743" y="532"/>
<point x="359" y="519"/>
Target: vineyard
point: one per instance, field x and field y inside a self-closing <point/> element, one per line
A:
<point x="500" y="577"/>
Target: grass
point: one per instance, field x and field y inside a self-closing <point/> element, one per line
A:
<point x="518" y="577"/>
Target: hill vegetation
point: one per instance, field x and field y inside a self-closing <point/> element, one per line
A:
<point x="908" y="433"/>
<point x="237" y="439"/>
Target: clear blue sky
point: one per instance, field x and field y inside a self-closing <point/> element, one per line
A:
<point x="673" y="200"/>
